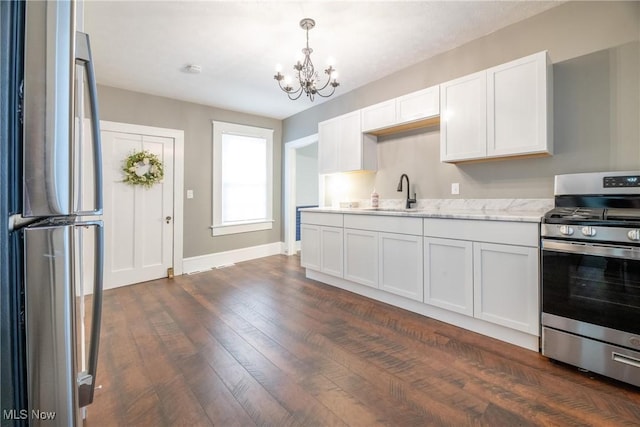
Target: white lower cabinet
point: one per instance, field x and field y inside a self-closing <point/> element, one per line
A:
<point x="384" y="252"/>
<point x="361" y="256"/>
<point x="485" y="269"/>
<point x="310" y="246"/>
<point x="506" y="285"/>
<point x="472" y="273"/>
<point x="448" y="274"/>
<point x="321" y="242"/>
<point x="331" y="250"/>
<point x="389" y="261"/>
<point x="321" y="248"/>
<point x="400" y="265"/>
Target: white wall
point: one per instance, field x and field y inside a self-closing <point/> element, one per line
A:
<point x="307" y="175"/>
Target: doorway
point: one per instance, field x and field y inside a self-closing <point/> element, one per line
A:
<point x="299" y="166"/>
<point x="143" y="226"/>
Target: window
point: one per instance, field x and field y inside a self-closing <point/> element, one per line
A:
<point x="242" y="178"/>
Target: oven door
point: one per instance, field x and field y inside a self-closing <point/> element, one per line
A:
<point x="592" y="290"/>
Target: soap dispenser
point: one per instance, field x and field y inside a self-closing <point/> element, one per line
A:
<point x="374" y="199"/>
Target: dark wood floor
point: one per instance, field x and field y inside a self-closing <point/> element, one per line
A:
<point x="258" y="344"/>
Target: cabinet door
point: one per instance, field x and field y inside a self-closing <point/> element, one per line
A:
<point x="418" y="105"/>
<point x="506" y="286"/>
<point x="463" y="118"/>
<point x="310" y="246"/>
<point x="350" y="157"/>
<point x="379" y="116"/>
<point x="328" y="144"/>
<point x="361" y="257"/>
<point x="331" y="247"/>
<point x="400" y="265"/>
<point x="517" y="107"/>
<point x="448" y="274"/>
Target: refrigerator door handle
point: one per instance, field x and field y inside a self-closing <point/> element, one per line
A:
<point x="87" y="380"/>
<point x="83" y="57"/>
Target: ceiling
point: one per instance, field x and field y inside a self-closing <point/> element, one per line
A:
<point x="144" y="46"/>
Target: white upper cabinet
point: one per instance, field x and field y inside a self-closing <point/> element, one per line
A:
<point x="463" y="122"/>
<point x="328" y="143"/>
<point x="518" y="107"/>
<point x="406" y="112"/>
<point x="500" y="112"/>
<point x="418" y="105"/>
<point x="342" y="147"/>
<point x="379" y="116"/>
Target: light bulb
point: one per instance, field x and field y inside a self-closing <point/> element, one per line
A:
<point x="334" y="75"/>
<point x="278" y="68"/>
<point x="287" y="80"/>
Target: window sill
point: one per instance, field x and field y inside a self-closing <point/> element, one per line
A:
<point x="245" y="227"/>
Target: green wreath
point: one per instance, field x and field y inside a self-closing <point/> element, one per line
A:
<point x="142" y="168"/>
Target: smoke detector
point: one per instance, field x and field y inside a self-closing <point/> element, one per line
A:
<point x="192" y="69"/>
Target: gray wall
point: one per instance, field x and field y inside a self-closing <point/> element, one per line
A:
<point x="131" y="107"/>
<point x="595" y="50"/>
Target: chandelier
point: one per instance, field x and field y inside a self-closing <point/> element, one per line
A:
<point x="308" y="79"/>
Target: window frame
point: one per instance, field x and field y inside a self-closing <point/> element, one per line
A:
<point x="220" y="228"/>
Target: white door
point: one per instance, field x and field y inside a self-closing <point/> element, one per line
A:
<point x="463" y="118"/>
<point x="506" y="286"/>
<point x="331" y="247"/>
<point x="400" y="265"/>
<point x="517" y="106"/>
<point x="310" y="246"/>
<point x="361" y="256"/>
<point x="448" y="274"/>
<point x="328" y="145"/>
<point x="138" y="220"/>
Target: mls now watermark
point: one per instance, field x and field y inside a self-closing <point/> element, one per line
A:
<point x="23" y="414"/>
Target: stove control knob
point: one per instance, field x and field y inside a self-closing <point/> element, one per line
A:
<point x="566" y="230"/>
<point x="634" y="234"/>
<point x="588" y="231"/>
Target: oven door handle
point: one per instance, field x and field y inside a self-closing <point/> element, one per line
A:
<point x="612" y="251"/>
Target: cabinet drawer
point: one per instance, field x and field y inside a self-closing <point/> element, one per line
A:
<point x="388" y="224"/>
<point x="506" y="232"/>
<point x="321" y="218"/>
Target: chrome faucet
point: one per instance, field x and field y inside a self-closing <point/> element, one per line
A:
<point x="409" y="200"/>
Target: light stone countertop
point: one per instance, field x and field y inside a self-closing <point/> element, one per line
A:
<point x="519" y="210"/>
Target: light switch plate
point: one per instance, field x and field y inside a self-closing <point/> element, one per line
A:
<point x="189" y="194"/>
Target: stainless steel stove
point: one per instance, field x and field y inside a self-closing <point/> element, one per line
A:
<point x="591" y="274"/>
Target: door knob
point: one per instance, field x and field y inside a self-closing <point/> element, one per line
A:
<point x="168" y="219"/>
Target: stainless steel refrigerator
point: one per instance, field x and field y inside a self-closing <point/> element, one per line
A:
<point x="50" y="202"/>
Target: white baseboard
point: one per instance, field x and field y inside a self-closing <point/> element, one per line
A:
<point x="207" y="262"/>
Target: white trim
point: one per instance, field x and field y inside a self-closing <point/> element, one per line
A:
<point x="207" y="262"/>
<point x="222" y="230"/>
<point x="290" y="190"/>
<point x="178" y="178"/>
